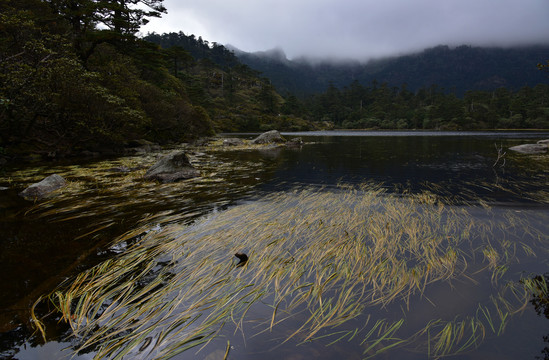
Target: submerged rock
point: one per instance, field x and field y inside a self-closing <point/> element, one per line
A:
<point x="233" y="142"/>
<point x="295" y="142"/>
<point x="41" y="189"/>
<point x="268" y="137"/>
<point x="171" y="168"/>
<point x="530" y="148"/>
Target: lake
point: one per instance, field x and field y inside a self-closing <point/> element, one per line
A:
<point x="360" y="244"/>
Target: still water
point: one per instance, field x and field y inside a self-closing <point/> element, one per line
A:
<point x="46" y="243"/>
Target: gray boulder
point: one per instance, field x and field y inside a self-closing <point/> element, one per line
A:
<point x="41" y="189"/>
<point x="530" y="148"/>
<point x="269" y="137"/>
<point x="171" y="168"/>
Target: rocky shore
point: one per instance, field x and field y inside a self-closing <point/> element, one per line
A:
<point x="175" y="166"/>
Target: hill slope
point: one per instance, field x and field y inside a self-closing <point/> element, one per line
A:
<point x="233" y="95"/>
<point x="453" y="69"/>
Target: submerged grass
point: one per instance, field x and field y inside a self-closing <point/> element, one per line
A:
<point x="317" y="259"/>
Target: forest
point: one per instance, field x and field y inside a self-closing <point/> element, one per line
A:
<point x="75" y="75"/>
<point x="381" y="106"/>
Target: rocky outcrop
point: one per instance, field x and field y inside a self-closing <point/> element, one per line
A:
<point x="171" y="168"/>
<point x="270" y="137"/>
<point x="530" y="148"/>
<point x="41" y="189"/>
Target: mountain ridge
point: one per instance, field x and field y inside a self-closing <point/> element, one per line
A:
<point x="455" y="69"/>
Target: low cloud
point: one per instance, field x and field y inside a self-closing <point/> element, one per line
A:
<point x="359" y="29"/>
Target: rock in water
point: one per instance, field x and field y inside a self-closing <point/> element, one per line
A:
<point x="295" y="142"/>
<point x="41" y="189"/>
<point x="233" y="142"/>
<point x="272" y="136"/>
<point x="171" y="168"/>
<point x="530" y="148"/>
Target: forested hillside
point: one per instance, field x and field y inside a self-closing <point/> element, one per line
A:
<point x="456" y="70"/>
<point x="74" y="76"/>
<point x="236" y="97"/>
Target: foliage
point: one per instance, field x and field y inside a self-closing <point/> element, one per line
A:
<point x="197" y="48"/>
<point x="68" y="84"/>
<point x="234" y="96"/>
<point x="49" y="98"/>
<point x="384" y="107"/>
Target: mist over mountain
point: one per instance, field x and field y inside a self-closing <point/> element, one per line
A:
<point x="455" y="70"/>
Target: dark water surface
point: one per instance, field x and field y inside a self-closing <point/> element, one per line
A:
<point x="44" y="243"/>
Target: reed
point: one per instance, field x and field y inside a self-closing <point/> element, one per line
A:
<point x="322" y="257"/>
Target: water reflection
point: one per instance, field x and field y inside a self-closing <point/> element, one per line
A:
<point x="540" y="301"/>
<point x="43" y="243"/>
<point x="457" y="166"/>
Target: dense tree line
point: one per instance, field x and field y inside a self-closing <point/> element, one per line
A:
<point x="385" y="107"/>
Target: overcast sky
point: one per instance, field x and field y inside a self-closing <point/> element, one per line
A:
<point x="358" y="29"/>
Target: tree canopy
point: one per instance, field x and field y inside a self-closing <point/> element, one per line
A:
<point x="74" y="75"/>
